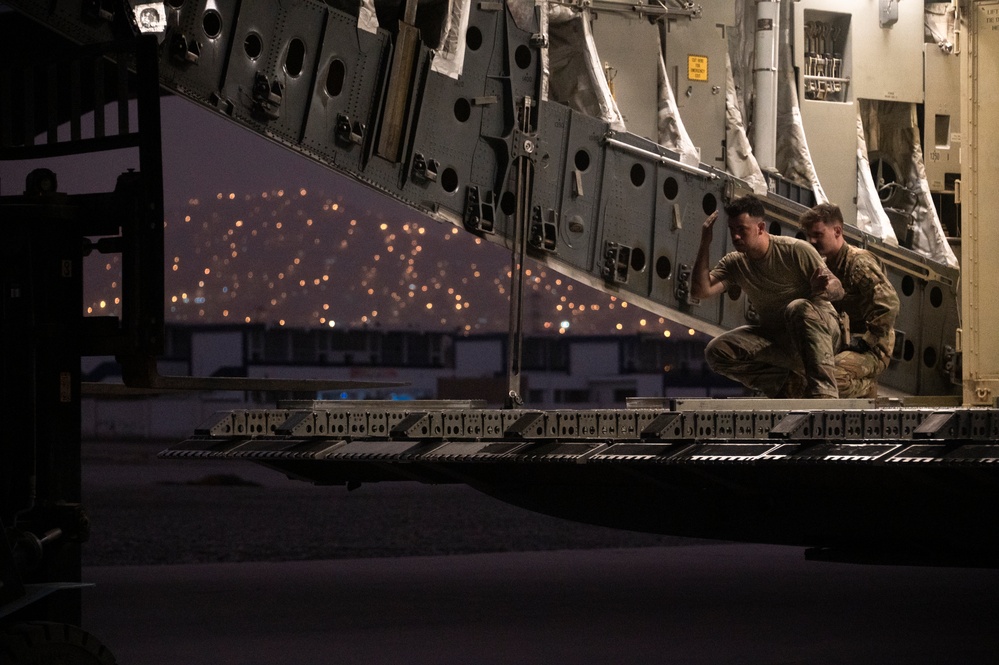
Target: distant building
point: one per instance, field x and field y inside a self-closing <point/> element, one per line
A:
<point x="557" y="371"/>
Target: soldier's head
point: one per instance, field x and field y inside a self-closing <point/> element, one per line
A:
<point x="747" y="226"/>
<point x="823" y="227"/>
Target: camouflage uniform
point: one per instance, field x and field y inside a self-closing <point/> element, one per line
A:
<point x="872" y="305"/>
<point x="789" y="353"/>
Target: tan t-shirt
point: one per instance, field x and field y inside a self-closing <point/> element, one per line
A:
<point x="772" y="282"/>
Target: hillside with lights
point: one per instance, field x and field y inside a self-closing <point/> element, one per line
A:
<point x="308" y="259"/>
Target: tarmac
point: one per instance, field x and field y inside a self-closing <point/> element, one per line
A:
<point x="727" y="603"/>
<point x="235" y="564"/>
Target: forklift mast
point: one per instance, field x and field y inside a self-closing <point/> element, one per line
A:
<point x="47" y="236"/>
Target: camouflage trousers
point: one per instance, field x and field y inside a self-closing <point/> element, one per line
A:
<point x="796" y="360"/>
<point x="857" y="373"/>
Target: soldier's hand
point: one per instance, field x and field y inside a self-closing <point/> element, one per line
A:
<point x="858" y="344"/>
<point x="820" y="279"/>
<point x="707" y="229"/>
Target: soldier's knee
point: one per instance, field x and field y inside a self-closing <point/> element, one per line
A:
<point x="718" y="352"/>
<point x="842" y="374"/>
<point x="711" y="353"/>
<point x="857" y="365"/>
<point x="797" y="310"/>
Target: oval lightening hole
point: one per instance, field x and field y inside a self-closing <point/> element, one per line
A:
<point x="211" y="22"/>
<point x="253" y="46"/>
<point x="449" y="180"/>
<point x="295" y="59"/>
<point x="335" y="78"/>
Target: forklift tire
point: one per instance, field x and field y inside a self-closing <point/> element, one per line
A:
<point x="43" y="643"/>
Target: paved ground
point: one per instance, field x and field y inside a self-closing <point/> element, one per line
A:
<point x="232" y="563"/>
<point x="694" y="605"/>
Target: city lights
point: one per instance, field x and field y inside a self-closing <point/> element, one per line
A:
<point x="283" y="258"/>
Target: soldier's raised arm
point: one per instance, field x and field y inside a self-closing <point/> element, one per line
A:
<point x="702" y="284"/>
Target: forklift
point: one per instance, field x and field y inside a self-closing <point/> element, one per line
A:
<point x="56" y="97"/>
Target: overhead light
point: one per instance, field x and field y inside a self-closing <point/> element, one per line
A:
<point x="150" y="17"/>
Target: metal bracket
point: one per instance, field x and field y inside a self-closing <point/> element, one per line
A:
<point x="347" y="133"/>
<point x="531" y="423"/>
<point x="523" y="144"/>
<point x="577" y="183"/>
<point x="951" y="363"/>
<point x="887" y="13"/>
<point x="899" y="350"/>
<point x="425" y="169"/>
<point x="795" y="425"/>
<point x="544" y="234"/>
<point x="417" y="424"/>
<point x="665" y="424"/>
<point x="682" y="291"/>
<point x="184" y="50"/>
<point x="617" y="261"/>
<point x="267" y="97"/>
<point x="480" y="211"/>
<point x="942" y="424"/>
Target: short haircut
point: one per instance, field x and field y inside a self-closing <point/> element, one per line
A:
<point x="827" y="213"/>
<point x="750" y="205"/>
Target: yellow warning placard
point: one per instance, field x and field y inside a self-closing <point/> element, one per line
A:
<point x="697" y="67"/>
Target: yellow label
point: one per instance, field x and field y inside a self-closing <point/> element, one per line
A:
<point x="697" y="67"/>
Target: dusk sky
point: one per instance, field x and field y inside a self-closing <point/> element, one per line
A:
<point x="203" y="153"/>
